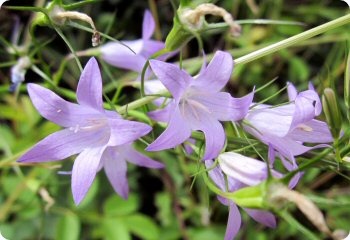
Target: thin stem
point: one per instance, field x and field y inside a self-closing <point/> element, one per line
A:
<point x="293" y="40"/>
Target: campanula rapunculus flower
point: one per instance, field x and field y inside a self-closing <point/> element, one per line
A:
<point x="120" y="56"/>
<point x="286" y="128"/>
<point x="101" y="138"/>
<point x="197" y="104"/>
<point x="240" y="171"/>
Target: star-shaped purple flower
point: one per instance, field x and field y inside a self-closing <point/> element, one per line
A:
<point x="286" y="128"/>
<point x="197" y="104"/>
<point x="240" y="171"/>
<point x="101" y="138"/>
<point x="120" y="56"/>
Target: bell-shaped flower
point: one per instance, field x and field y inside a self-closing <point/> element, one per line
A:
<point x="197" y="104"/>
<point x="234" y="172"/>
<point x="121" y="56"/>
<point x="101" y="138"/>
<point x="287" y="127"/>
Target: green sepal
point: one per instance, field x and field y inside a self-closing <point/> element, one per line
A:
<point x="178" y="36"/>
<point x="251" y="197"/>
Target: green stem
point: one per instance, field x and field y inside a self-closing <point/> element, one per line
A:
<point x="137" y="103"/>
<point x="293" y="40"/>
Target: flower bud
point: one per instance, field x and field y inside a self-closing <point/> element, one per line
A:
<point x="332" y="112"/>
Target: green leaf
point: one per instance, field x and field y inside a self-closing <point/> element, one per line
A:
<point x="298" y="70"/>
<point x="164" y="205"/>
<point x="209" y="233"/>
<point x="114" y="228"/>
<point x="142" y="226"/>
<point x="117" y="206"/>
<point x="68" y="227"/>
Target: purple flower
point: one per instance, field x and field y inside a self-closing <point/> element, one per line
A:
<point x="101" y="138"/>
<point x="240" y="172"/>
<point x="120" y="56"/>
<point x="197" y="104"/>
<point x="287" y="127"/>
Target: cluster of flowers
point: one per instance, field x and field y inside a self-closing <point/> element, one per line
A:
<point x="103" y="139"/>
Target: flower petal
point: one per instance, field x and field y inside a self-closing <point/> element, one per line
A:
<point x="307" y="106"/>
<point x="313" y="131"/>
<point x="84" y="171"/>
<point x="223" y="106"/>
<point x="89" y="91"/>
<point x="120" y="56"/>
<point x="139" y="159"/>
<point x="314" y="98"/>
<point x="148" y="25"/>
<point x="274" y="121"/>
<point x="151" y="46"/>
<point x="214" y="132"/>
<point x="292" y="91"/>
<point x="217" y="74"/>
<point x="173" y="78"/>
<point x="215" y="174"/>
<point x="176" y="133"/>
<point x="244" y="169"/>
<point x="163" y="115"/>
<point x="124" y="131"/>
<point x="58" y="110"/>
<point x="233" y="222"/>
<point x="288" y="147"/>
<point x="263" y="217"/>
<point x="61" y="145"/>
<point x="290" y="165"/>
<point x="214" y="138"/>
<point x="218" y="178"/>
<point x="116" y="168"/>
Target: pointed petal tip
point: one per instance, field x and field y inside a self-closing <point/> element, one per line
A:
<point x="77" y="199"/>
<point x="125" y="195"/>
<point x="92" y="61"/>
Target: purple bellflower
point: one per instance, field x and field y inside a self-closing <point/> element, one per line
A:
<point x="101" y="138"/>
<point x="240" y="172"/>
<point x="197" y="104"/>
<point x="120" y="56"/>
<point x="285" y="128"/>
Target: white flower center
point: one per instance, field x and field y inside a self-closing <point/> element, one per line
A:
<point x="191" y="106"/>
<point x="92" y="124"/>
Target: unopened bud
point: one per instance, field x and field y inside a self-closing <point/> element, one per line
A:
<point x="332" y="112"/>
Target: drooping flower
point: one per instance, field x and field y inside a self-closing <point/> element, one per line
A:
<point x="197" y="104"/>
<point x="100" y="137"/>
<point x="240" y="171"/>
<point x="120" y="56"/>
<point x="286" y="128"/>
